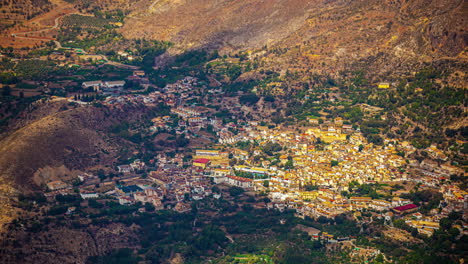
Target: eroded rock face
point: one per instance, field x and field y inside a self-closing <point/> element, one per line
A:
<point x="253" y="23"/>
<point x="69" y="138"/>
<point x="67" y="245"/>
<point x="237" y="24"/>
<point x="51" y="144"/>
<point x="23" y="9"/>
<point x="322" y="36"/>
<point x="56" y="144"/>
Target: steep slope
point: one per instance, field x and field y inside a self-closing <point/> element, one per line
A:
<point x="70" y="138"/>
<point x="61" y="244"/>
<point x="51" y="143"/>
<point x="18" y="10"/>
<point x="240" y="24"/>
<point x="325" y="36"/>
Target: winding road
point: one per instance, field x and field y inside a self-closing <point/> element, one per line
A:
<point x="56" y="25"/>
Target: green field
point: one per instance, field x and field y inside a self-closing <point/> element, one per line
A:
<point x="251" y="259"/>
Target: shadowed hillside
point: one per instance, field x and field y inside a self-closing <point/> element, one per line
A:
<point x="69" y="138"/>
<point x="316" y="37"/>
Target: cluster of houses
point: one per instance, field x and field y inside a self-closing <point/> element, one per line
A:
<point x="192" y="118"/>
<point x="115" y="88"/>
<point x="357" y="162"/>
<point x="139" y="193"/>
<point x="136" y="165"/>
<point x="329" y="155"/>
<point x="169" y="181"/>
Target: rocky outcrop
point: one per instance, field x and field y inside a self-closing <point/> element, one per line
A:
<point x="68" y="138"/>
<point x="318" y="36"/>
<point x="60" y="245"/>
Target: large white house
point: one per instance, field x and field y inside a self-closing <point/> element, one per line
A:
<point x="94" y="84"/>
<point x="114" y="84"/>
<point x="240" y="181"/>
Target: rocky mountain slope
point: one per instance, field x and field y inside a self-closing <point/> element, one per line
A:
<point x="236" y="24"/>
<point x="52" y="142"/>
<point x="394" y="33"/>
<point x="65" y="245"/>
<point x="315" y="37"/>
<point x="16" y="11"/>
<point x="70" y="138"/>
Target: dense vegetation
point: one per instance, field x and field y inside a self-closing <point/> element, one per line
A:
<point x="197" y="237"/>
<point x="216" y="230"/>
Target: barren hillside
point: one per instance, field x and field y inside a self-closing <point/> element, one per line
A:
<point x="20" y="10"/>
<point x="237" y="24"/>
<point x="317" y="36"/>
<point x="69" y="138"/>
<point x="66" y="245"/>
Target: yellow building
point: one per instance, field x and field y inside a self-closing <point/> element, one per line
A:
<point x="338" y="121"/>
<point x="308" y="195"/>
<point x="384" y="85"/>
<point x="210" y="154"/>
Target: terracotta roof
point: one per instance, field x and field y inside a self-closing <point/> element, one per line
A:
<point x="405" y="207"/>
<point x="201" y="160"/>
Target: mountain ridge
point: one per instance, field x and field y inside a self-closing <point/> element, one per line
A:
<point x="318" y="36"/>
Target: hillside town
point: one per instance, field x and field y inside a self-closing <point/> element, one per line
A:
<point x="233" y="132"/>
<point x="324" y="169"/>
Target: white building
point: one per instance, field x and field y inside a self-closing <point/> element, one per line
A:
<point x="94" y="84"/>
<point x="240" y="181"/>
<point x="89" y="195"/>
<point x="124" y="168"/>
<point x="114" y="84"/>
